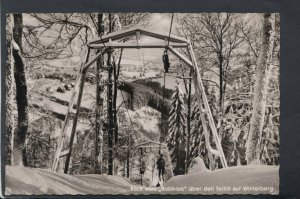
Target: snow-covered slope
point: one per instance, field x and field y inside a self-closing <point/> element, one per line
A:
<point x="245" y="179"/>
<point x="31" y="181"/>
<point x="234" y="180"/>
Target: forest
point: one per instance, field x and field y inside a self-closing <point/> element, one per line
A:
<point x="117" y="118"/>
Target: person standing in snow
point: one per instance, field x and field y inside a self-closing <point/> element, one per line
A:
<point x="161" y="167"/>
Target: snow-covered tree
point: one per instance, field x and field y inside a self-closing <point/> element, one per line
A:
<point x="9" y="120"/>
<point x="83" y="159"/>
<point x="38" y="149"/>
<point x="196" y="135"/>
<point x="270" y="153"/>
<point x="198" y="146"/>
<point x="261" y="85"/>
<point x="177" y="136"/>
<point x="217" y="37"/>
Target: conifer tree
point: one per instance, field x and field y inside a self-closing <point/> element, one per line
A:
<point x="177" y="136"/>
<point x="196" y="134"/>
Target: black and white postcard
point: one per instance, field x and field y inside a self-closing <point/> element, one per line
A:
<point x="142" y="103"/>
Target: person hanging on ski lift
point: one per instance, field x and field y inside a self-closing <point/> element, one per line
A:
<point x="161" y="167"/>
<point x="165" y="59"/>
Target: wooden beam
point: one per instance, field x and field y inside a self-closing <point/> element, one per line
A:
<point x="179" y="77"/>
<point x="135" y="45"/>
<point x="163" y="36"/>
<point x="202" y="97"/>
<point x="181" y="57"/>
<point x="148" y="147"/>
<point x="118" y="35"/>
<point x="67" y="163"/>
<point x="67" y="117"/>
<point x="149" y="142"/>
<point x="199" y="95"/>
<point x="95" y="58"/>
<point x="115" y="36"/>
<point x="64" y="153"/>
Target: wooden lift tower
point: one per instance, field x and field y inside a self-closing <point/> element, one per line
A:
<point x="112" y="41"/>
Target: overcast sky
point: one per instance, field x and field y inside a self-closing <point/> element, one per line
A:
<point x="157" y="22"/>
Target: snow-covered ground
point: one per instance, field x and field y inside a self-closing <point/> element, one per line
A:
<point x="251" y="179"/>
<point x="234" y="180"/>
<point x="31" y="181"/>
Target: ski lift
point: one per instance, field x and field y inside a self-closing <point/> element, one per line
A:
<point x="165" y="59"/>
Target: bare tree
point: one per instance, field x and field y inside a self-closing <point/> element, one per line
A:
<point x="56" y="35"/>
<point x="216" y="37"/>
<point x="99" y="103"/>
<point x="128" y="20"/>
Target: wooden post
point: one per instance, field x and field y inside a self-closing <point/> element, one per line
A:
<point x="200" y="89"/>
<point x="205" y="129"/>
<point x="82" y="77"/>
<point x="188" y="137"/>
<point x="199" y="101"/>
<point x="66" y="122"/>
<point x="83" y="69"/>
<point x="67" y="163"/>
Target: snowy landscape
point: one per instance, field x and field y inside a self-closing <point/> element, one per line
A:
<point x="142" y="103"/>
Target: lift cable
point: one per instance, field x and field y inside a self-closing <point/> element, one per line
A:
<point x="164" y="88"/>
<point x="170" y="28"/>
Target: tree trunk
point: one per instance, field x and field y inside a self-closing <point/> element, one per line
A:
<point x="116" y="71"/>
<point x="261" y="84"/>
<point x="127" y="163"/>
<point x="21" y="93"/>
<point x="189" y="91"/>
<point x="110" y="119"/>
<point x="99" y="106"/>
<point x="9" y="117"/>
<point x="221" y="60"/>
<point x="221" y="83"/>
<point x="177" y="158"/>
<point x="115" y="118"/>
<point x="99" y="109"/>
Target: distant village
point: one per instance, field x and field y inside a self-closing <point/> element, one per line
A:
<point x="146" y="66"/>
